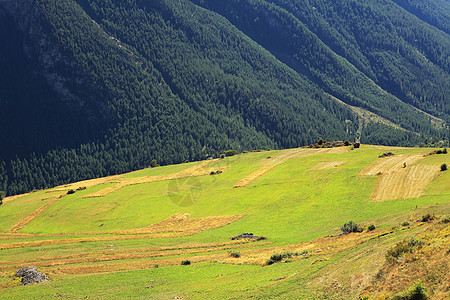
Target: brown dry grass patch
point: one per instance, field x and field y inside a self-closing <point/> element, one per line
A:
<point x="391" y="164"/>
<point x="327" y="165"/>
<point x="405" y="183"/>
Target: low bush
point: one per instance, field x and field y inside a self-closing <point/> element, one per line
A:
<point x="405" y="246"/>
<point x="230" y="152"/>
<point x="280" y="256"/>
<point x="446" y="219"/>
<point x="442" y="151"/>
<point x="416" y="292"/>
<point x="427" y="218"/>
<point x="234" y="254"/>
<point x="443" y="167"/>
<point x="69" y="192"/>
<point x="185" y="262"/>
<point x="371" y="227"/>
<point x="404" y="224"/>
<point x="351" y="227"/>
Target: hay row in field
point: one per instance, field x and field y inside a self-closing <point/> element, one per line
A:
<point x="25" y="221"/>
<point x="175" y="226"/>
<point x="284" y="156"/>
<point x="391" y="164"/>
<point x="204" y="247"/>
<point x="197" y="170"/>
<point x="182" y="223"/>
<point x="405" y="183"/>
<point x="318" y="248"/>
<point x="132" y="265"/>
<point x="400" y="177"/>
<point x="271" y="163"/>
<point x="118" y="255"/>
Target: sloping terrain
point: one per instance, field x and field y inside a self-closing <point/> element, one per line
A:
<point x="92" y="88"/>
<point x="140" y="234"/>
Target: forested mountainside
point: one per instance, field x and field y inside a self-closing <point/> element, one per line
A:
<point x="92" y="88"/>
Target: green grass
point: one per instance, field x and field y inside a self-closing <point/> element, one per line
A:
<point x="289" y="204"/>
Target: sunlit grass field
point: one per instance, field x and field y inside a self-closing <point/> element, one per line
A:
<point x="109" y="247"/>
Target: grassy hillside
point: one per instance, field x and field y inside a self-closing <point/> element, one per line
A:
<point x="91" y="88"/>
<point x="126" y="235"/>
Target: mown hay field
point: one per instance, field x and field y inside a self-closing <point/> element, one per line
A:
<point x="140" y="226"/>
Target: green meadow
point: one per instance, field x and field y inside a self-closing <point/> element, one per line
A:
<point x="92" y="247"/>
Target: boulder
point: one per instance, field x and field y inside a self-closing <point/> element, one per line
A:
<point x="31" y="275"/>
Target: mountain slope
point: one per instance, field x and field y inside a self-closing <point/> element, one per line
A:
<point x="136" y="229"/>
<point x="132" y="81"/>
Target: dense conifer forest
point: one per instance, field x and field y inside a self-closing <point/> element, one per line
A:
<point x="90" y="88"/>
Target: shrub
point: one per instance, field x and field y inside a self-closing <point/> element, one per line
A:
<point x="154" y="163"/>
<point x="446" y="219"/>
<point x="222" y="156"/>
<point x="185" y="262"/>
<point x="427" y="218"/>
<point x="371" y="227"/>
<point x="346" y="143"/>
<point x="405" y="224"/>
<point x="234" y="254"/>
<point x="81" y="188"/>
<point x="405" y="246"/>
<point x="69" y="192"/>
<point x="276" y="257"/>
<point x="416" y="292"/>
<point x="280" y="256"/>
<point x="230" y="152"/>
<point x="350" y="227"/>
<point x="444" y="167"/>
